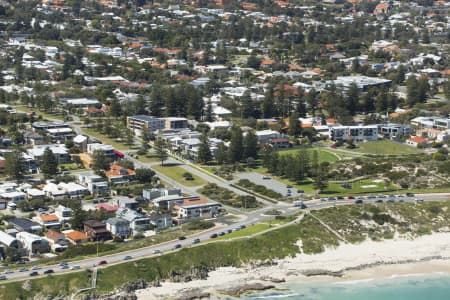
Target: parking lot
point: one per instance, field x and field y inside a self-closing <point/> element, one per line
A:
<point x="269" y="183"/>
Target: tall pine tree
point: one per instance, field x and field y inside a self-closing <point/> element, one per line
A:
<point x="49" y="164"/>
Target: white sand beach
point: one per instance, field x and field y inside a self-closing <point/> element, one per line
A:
<point x="398" y="257"/>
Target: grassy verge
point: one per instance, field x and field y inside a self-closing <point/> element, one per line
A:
<point x="176" y="173"/>
<point x="322" y="155"/>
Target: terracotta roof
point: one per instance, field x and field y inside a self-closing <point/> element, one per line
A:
<point x="279" y="140"/>
<point x="53" y="235"/>
<point x="267" y="62"/>
<point x="77" y="236"/>
<point x="418" y="139"/>
<point x="49" y="218"/>
<point x="107" y="207"/>
<point x="116" y="170"/>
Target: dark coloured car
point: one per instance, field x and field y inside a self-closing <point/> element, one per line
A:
<point x="350" y="197"/>
<point x="102" y="262"/>
<point x="379" y="201"/>
<point x="177" y="246"/>
<point x="230" y="230"/>
<point x="300" y="191"/>
<point x="222" y="233"/>
<point x="181" y="238"/>
<point x="409" y="195"/>
<point x="289" y="186"/>
<point x="127" y="257"/>
<point x="359" y="201"/>
<point x="243" y="226"/>
<point x="34" y="273"/>
<point x="196" y="241"/>
<point x="340" y="198"/>
<point x="213" y="236"/>
<point x="49" y="271"/>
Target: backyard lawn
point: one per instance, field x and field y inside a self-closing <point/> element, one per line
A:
<point x="176" y="173"/>
<point x="385" y="148"/>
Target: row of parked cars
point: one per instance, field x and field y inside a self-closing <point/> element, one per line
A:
<point x="377" y="198"/>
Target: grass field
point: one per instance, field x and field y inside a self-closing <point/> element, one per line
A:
<point x="385" y="148"/>
<point x="359" y="187"/>
<point x="105" y="139"/>
<point x="246" y="231"/>
<point x="148" y="158"/>
<point x="323" y="155"/>
<point x="176" y="173"/>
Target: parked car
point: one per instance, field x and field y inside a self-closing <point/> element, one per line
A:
<point x="213" y="236"/>
<point x="177" y="246"/>
<point x="156" y="251"/>
<point x="196" y="241"/>
<point x="35" y="268"/>
<point x="359" y="201"/>
<point x="102" y="262"/>
<point x="266" y="177"/>
<point x="350" y="197"/>
<point x="35" y="273"/>
<point x="300" y="191"/>
<point x="127" y="257"/>
<point x="181" y="238"/>
<point x="23" y="269"/>
<point x="64" y="267"/>
<point x="230" y="230"/>
<point x="289" y="186"/>
<point x="409" y="195"/>
<point x="379" y="201"/>
<point x="8" y="272"/>
<point x="74" y="267"/>
<point x="243" y="226"/>
<point x="221" y="233"/>
<point x="2" y="277"/>
<point x="420" y="200"/>
<point x="49" y="271"/>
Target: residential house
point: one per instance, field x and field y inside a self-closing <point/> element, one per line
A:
<point x="49" y="221"/>
<point x="73" y="190"/>
<point x="160" y="192"/>
<point x="416" y="141"/>
<point x="161" y="220"/>
<point x="107" y="150"/>
<point x="33" y="194"/>
<point x="137" y="123"/>
<point x="118" y="227"/>
<point x="33" y="138"/>
<point x="119" y="175"/>
<point x="57" y="241"/>
<point x="354" y="133"/>
<point x="96" y="230"/>
<point x="264" y="136"/>
<point x="21" y="224"/>
<point x="13" y="196"/>
<point x="392" y="131"/>
<point x="34" y="244"/>
<point x="9" y="240"/>
<point x="280" y="143"/>
<point x="77" y="237"/>
<point x="60" y="152"/>
<point x="54" y="191"/>
<point x="63" y="213"/>
<point x="107" y="207"/>
<point x="125" y="202"/>
<point x="81" y="141"/>
<point x="95" y="184"/>
<point x="187" y="213"/>
<point x="138" y="222"/>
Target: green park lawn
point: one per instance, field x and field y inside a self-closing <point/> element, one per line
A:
<point x="385" y="148"/>
<point x="323" y="155"/>
<point x="176" y="173"/>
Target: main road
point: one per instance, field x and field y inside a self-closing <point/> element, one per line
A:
<point x="209" y="235"/>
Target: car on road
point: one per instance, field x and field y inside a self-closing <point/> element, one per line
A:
<point x="127" y="257"/>
<point x="221" y="233"/>
<point x="35" y="268"/>
<point x="195" y="241"/>
<point x="181" y="238"/>
<point x="156" y="251"/>
<point x="359" y="201"/>
<point x="331" y="198"/>
<point x="177" y="246"/>
<point x="350" y="197"/>
<point x="64" y="267"/>
<point x="35" y="273"/>
<point x="243" y="226"/>
<point x="2" y="277"/>
<point x="400" y="196"/>
<point x="409" y="195"/>
<point x="230" y="230"/>
<point x="289" y="186"/>
<point x="213" y="236"/>
<point x="102" y="262"/>
<point x="340" y="198"/>
<point x="23" y="269"/>
<point x="379" y="201"/>
<point x="371" y="197"/>
<point x="75" y="267"/>
<point x="8" y="272"/>
<point x="63" y="263"/>
<point x="266" y="177"/>
<point x="49" y="271"/>
<point x="420" y="200"/>
<point x="300" y="191"/>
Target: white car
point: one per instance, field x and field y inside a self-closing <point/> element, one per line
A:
<point x="74" y="267"/>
